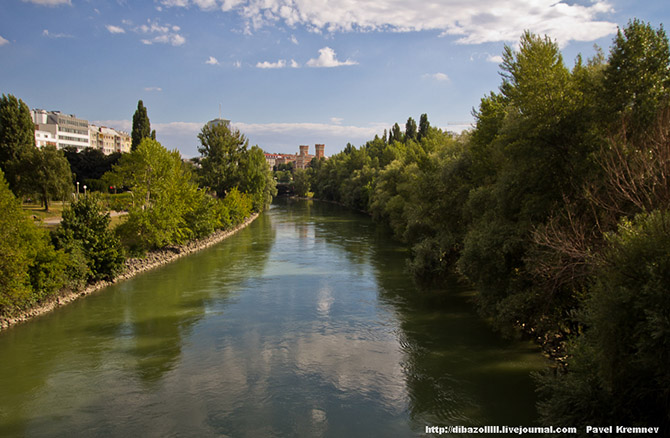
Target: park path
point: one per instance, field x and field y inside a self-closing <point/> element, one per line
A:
<point x="56" y="220"/>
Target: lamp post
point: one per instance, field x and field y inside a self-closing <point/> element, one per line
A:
<point x="77" y="190"/>
<point x="84" y="190"/>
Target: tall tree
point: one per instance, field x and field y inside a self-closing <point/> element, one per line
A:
<point x="637" y="78"/>
<point x="396" y="134"/>
<point x="410" y="129"/>
<point x="17" y="137"/>
<point x="141" y="126"/>
<point x="424" y="126"/>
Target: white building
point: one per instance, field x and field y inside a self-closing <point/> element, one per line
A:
<point x="65" y="129"/>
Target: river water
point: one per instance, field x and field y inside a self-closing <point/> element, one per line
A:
<point x="303" y="324"/>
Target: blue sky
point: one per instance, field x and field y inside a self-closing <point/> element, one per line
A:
<point x="286" y="72"/>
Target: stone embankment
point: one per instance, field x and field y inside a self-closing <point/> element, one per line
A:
<point x="133" y="267"/>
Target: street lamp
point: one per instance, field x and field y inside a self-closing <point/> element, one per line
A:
<point x="77" y="189"/>
<point x="84" y="190"/>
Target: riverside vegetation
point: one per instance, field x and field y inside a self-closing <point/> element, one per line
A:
<point x="555" y="207"/>
<point x="171" y="203"/>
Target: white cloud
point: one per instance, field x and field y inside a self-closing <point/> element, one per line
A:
<point x="151" y="89"/>
<point x="437" y="76"/>
<point x="3" y="41"/>
<point x="328" y="58"/>
<point x="115" y="29"/>
<point x="294" y="40"/>
<point x="336" y="120"/>
<point x="164" y="34"/>
<point x="265" y="64"/>
<point x="237" y="64"/>
<point x="497" y="59"/>
<point x="212" y="61"/>
<point x="206" y="5"/>
<point x="175" y="3"/>
<point x="49" y="2"/>
<point x="485" y="21"/>
<point x="294" y="64"/>
<point x="48" y="34"/>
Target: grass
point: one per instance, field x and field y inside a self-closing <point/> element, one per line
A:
<point x="36" y="210"/>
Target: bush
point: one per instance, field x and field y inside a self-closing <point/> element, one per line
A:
<point x="239" y="206"/>
<point x="85" y="226"/>
<point x="618" y="370"/>
<point x="30" y="268"/>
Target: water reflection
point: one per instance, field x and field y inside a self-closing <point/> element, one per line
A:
<point x="304" y="324"/>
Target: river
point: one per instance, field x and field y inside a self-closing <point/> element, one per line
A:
<point x="305" y="323"/>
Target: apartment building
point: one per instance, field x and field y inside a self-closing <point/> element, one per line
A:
<point x="67" y="130"/>
<point x="109" y="140"/>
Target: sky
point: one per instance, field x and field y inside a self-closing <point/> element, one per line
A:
<point x="285" y="72"/>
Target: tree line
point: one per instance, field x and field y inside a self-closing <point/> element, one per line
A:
<point x="169" y="202"/>
<point x="555" y="207"/>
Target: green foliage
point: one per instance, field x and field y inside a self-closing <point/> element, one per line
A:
<point x="141" y="126"/>
<point x="17" y="138"/>
<point x="238" y="205"/>
<point x="410" y="130"/>
<point x="90" y="164"/>
<point x="85" y="225"/>
<point x="301" y="182"/>
<point x="618" y="370"/>
<point x="521" y="207"/>
<point x="163" y="195"/>
<point x="222" y="152"/>
<point x="637" y="77"/>
<point x="30" y="268"/>
<point x="46" y="173"/>
<point x="256" y="178"/>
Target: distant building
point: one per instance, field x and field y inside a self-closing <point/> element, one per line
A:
<point x="65" y="129"/>
<point x="300" y="160"/>
<point x="217" y="122"/>
<point x="109" y="140"/>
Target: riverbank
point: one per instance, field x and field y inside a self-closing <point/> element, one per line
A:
<point x="133" y="267"/>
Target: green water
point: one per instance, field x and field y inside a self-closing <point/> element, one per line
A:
<point x="303" y="324"/>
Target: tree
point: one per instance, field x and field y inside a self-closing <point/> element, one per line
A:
<point x="164" y="195"/>
<point x="410" y="129"/>
<point x="30" y="268"/>
<point x="17" y="137"/>
<point x="637" y="78"/>
<point x="89" y="164"/>
<point x="222" y="150"/>
<point x="424" y="127"/>
<point x="141" y="126"/>
<point x="85" y="224"/>
<point x="395" y="134"/>
<point x="46" y="173"/>
<point x="301" y="182"/>
<point x="255" y="178"/>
